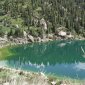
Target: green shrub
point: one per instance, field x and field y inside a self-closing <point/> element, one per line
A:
<point x="35" y="31"/>
<point x="2" y="31"/>
<point x="2" y="12"/>
<point x="15" y="32"/>
<point x="11" y="32"/>
<point x="18" y="32"/>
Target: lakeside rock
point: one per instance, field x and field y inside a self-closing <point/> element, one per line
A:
<point x="50" y="36"/>
<point x="5" y="41"/>
<point x="31" y="38"/>
<point x="53" y="82"/>
<point x="20" y="77"/>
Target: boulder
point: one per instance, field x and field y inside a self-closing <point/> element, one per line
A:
<point x="53" y="82"/>
<point x="31" y="38"/>
<point x="45" y="40"/>
<point x="43" y="23"/>
<point x="50" y="36"/>
<point x="39" y="39"/>
<point x="24" y="33"/>
<point x="70" y="36"/>
<point x="2" y="40"/>
<point x="62" y="34"/>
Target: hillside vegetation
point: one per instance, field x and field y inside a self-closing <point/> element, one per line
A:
<point x="17" y="16"/>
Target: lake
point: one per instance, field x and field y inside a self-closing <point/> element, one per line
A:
<point x="58" y="58"/>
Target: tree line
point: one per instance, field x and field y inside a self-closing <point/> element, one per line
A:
<point x="27" y="14"/>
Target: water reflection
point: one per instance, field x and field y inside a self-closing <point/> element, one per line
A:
<point x="3" y="63"/>
<point x="50" y="52"/>
<point x="80" y="66"/>
<point x="62" y="58"/>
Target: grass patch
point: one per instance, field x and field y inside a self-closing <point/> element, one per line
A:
<point x="18" y="21"/>
<point x="5" y="53"/>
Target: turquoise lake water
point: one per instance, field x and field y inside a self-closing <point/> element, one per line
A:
<point x="59" y="58"/>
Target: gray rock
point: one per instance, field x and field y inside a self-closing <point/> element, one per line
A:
<point x="39" y="39"/>
<point x="50" y="36"/>
<point x="43" y="23"/>
<point x="24" y="33"/>
<point x="31" y="38"/>
<point x="53" y="82"/>
<point x="62" y="33"/>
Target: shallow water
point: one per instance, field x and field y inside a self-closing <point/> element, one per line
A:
<point x="60" y="58"/>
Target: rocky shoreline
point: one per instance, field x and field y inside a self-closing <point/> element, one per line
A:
<point x="18" y="77"/>
<point x="60" y="34"/>
<point x="10" y="76"/>
<point x="4" y="41"/>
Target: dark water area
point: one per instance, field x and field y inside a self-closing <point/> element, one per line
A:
<point x="59" y="58"/>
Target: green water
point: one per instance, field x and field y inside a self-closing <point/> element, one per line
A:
<point x="59" y="58"/>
